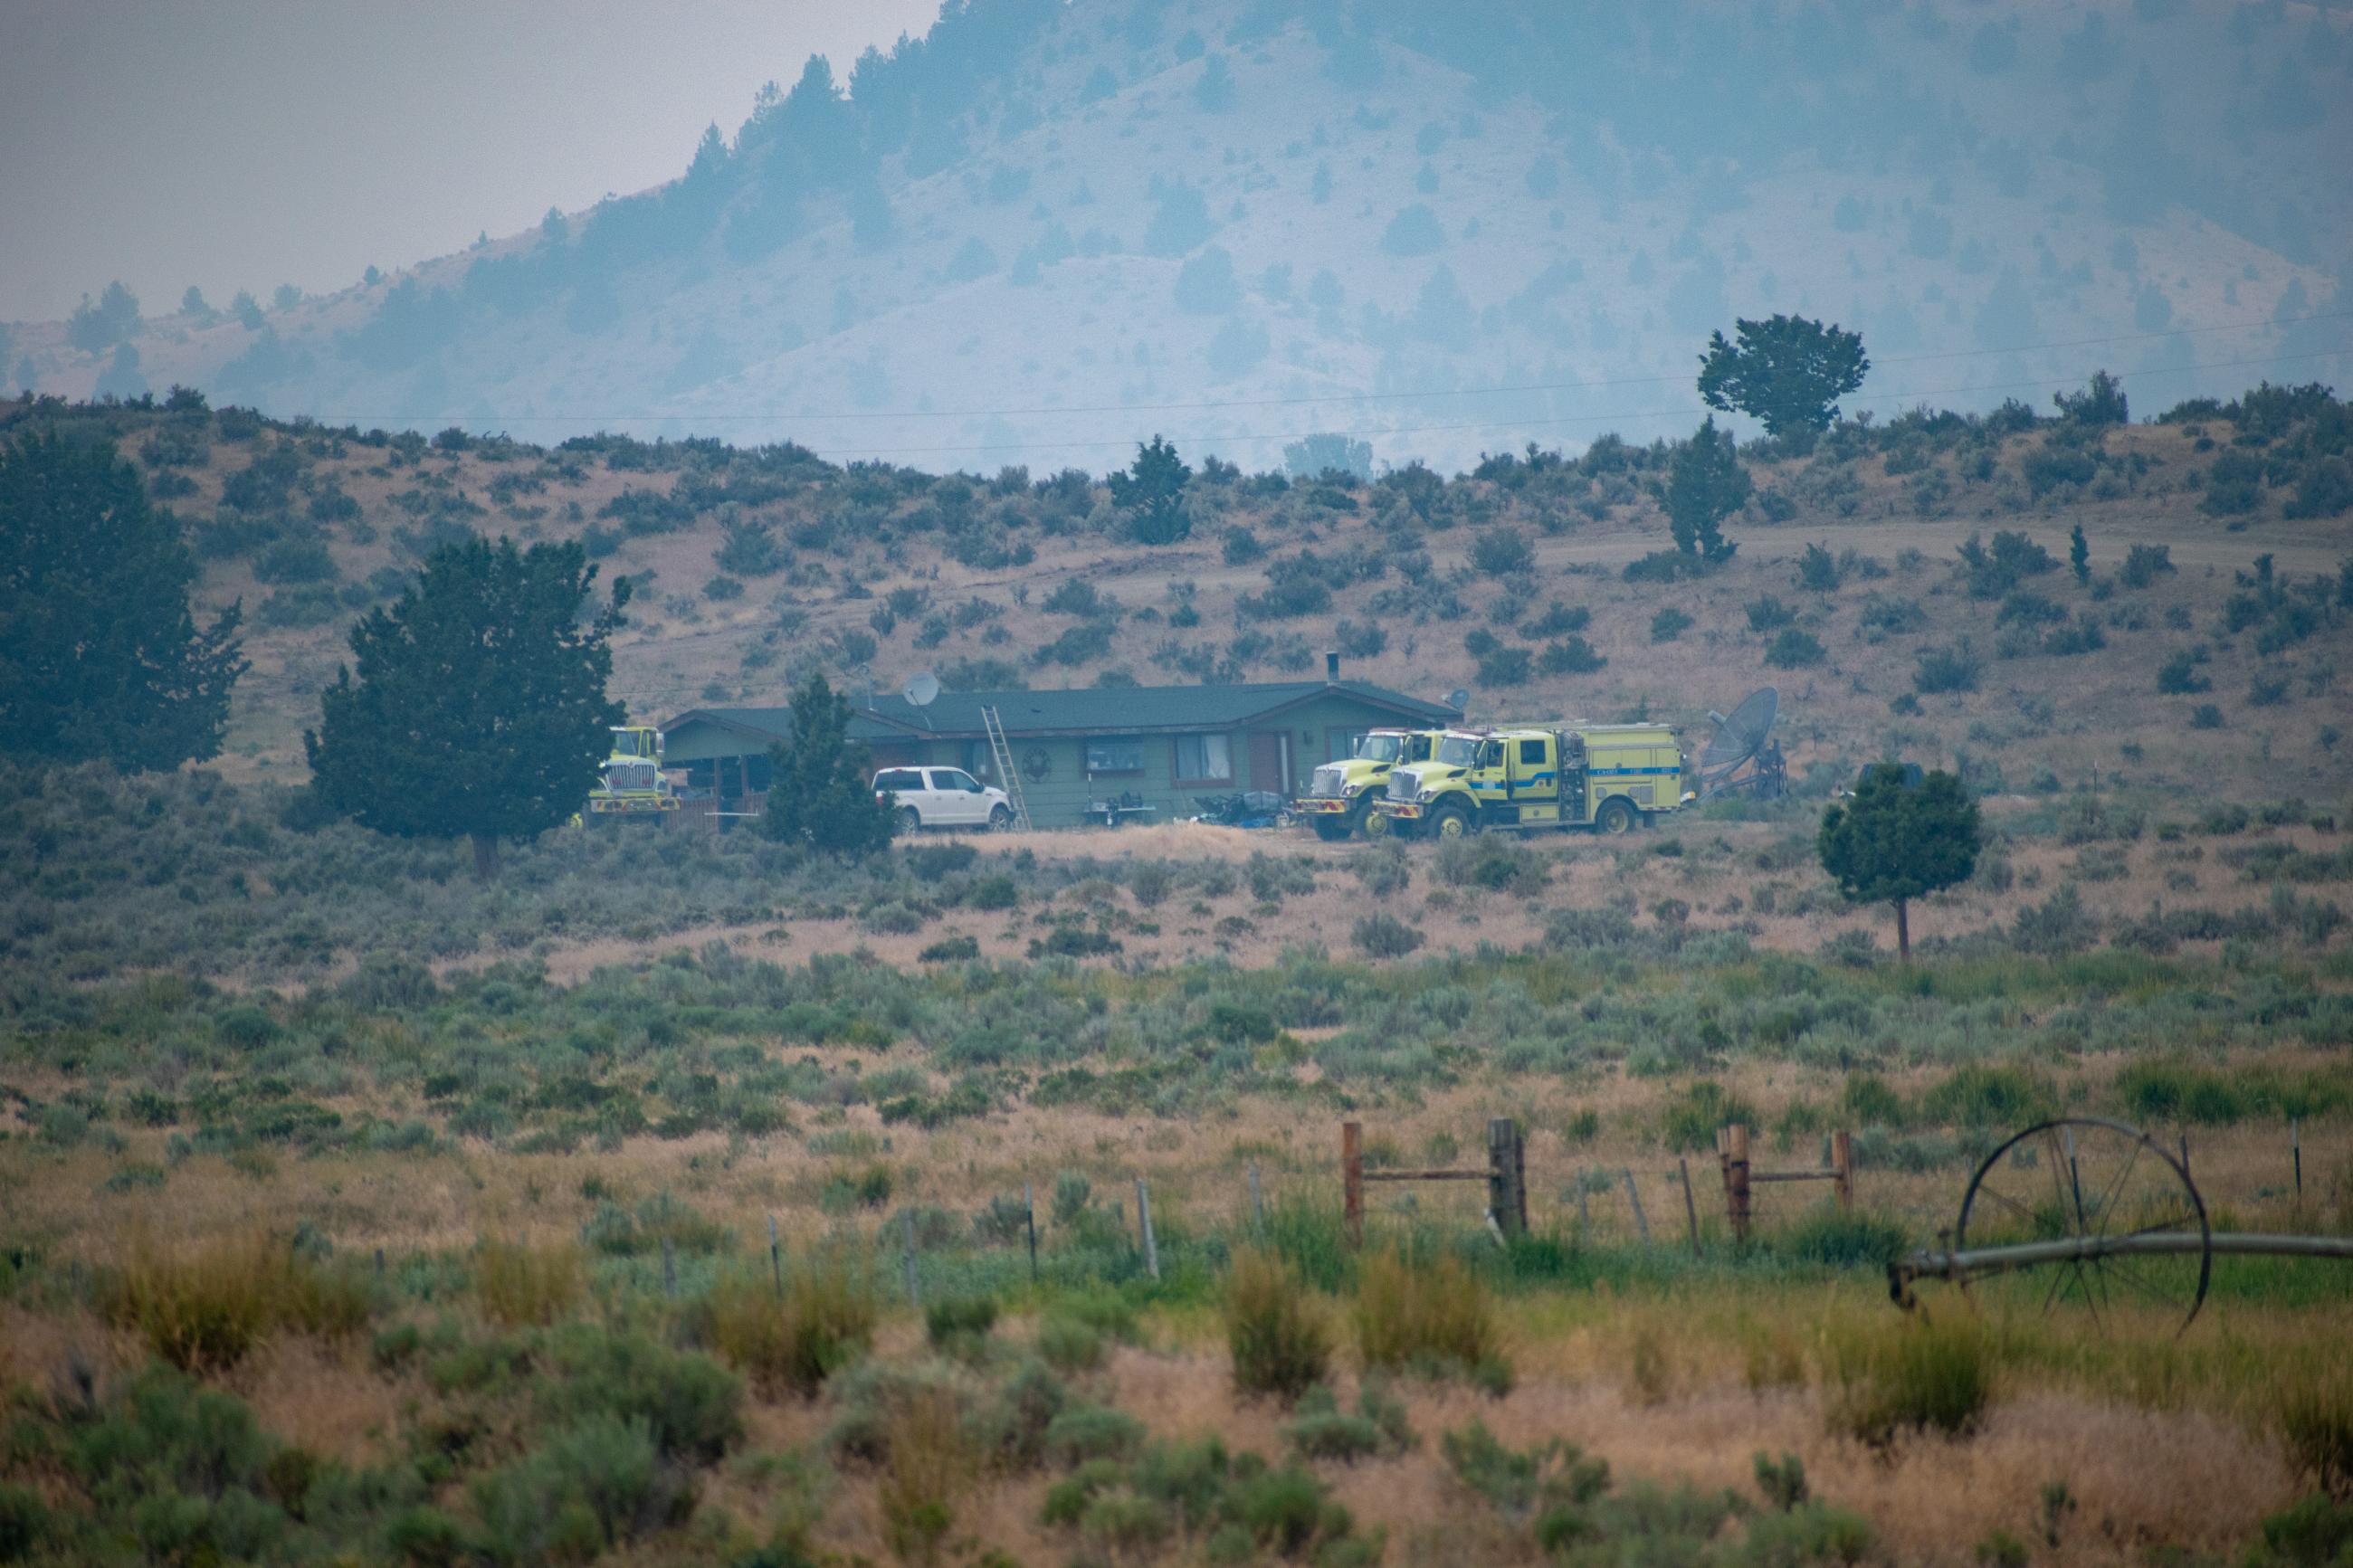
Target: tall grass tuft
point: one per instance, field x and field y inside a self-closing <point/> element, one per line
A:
<point x="928" y="1464"/>
<point x="1891" y="1376"/>
<point x="824" y="1322"/>
<point x="519" y="1286"/>
<point x="1277" y="1332"/>
<point x="2316" y="1427"/>
<point x="204" y="1308"/>
<point x="1431" y="1318"/>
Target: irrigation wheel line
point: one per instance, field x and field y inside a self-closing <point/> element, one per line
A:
<point x="2109" y="1211"/>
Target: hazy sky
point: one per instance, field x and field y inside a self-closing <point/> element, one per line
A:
<point x="245" y="143"/>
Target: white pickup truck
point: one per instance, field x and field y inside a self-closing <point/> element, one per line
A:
<point x="942" y="798"/>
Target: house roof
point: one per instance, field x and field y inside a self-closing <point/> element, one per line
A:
<point x="1095" y="710"/>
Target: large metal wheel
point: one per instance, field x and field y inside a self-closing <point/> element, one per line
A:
<point x="1616" y="817"/>
<point x="1372" y="824"/>
<point x="911" y="821"/>
<point x="2146" y="1248"/>
<point x="1450" y="822"/>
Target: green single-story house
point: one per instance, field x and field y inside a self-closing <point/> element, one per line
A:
<point x="1153" y="749"/>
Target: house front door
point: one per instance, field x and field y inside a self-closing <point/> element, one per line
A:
<point x="1269" y="759"/>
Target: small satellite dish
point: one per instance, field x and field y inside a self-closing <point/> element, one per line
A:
<point x="1459" y="699"/>
<point x="922" y="690"/>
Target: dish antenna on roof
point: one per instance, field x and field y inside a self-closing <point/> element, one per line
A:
<point x="922" y="690"/>
<point x="1459" y="699"/>
<point x="1740" y="757"/>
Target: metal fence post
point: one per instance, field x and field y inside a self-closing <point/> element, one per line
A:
<point x="1143" y="1218"/>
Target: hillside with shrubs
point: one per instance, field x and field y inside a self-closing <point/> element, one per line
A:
<point x="1913" y="585"/>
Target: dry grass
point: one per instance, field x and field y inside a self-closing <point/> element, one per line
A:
<point x="1275" y="1331"/>
<point x="520" y="1286"/>
<point x="930" y="1467"/>
<point x="1430" y="1317"/>
<point x="824" y="1319"/>
<point x="205" y="1307"/>
<point x="1910" y="1373"/>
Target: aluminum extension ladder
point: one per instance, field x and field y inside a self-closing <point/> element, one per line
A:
<point x="1001" y="755"/>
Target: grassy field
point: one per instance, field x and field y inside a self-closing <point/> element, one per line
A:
<point x="385" y="1216"/>
<point x="355" y="1210"/>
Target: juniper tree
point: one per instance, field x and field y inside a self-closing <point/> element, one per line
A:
<point x="820" y="789"/>
<point x="1706" y="484"/>
<point x="1785" y="371"/>
<point x="101" y="655"/>
<point x="478" y="709"/>
<point x="1152" y="494"/>
<point x="1893" y="841"/>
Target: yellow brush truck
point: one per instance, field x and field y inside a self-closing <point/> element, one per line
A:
<point x="631" y="782"/>
<point x="1339" y="799"/>
<point x="1604" y="776"/>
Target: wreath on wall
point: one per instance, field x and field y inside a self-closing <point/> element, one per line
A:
<point x="1036" y="764"/>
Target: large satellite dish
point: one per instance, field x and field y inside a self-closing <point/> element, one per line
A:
<point x="922" y="690"/>
<point x="1738" y="757"/>
<point x="1459" y="699"/>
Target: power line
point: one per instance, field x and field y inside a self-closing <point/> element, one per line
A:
<point x="1683" y="411"/>
<point x="828" y="415"/>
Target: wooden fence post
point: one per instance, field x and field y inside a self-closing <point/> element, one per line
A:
<point x="2295" y="1148"/>
<point x="1842" y="1169"/>
<point x="1352" y="1181"/>
<point x="1691" y="1208"/>
<point x="1736" y="1179"/>
<point x="1507" y="1181"/>
<point x="775" y="1257"/>
<point x="1642" y="1226"/>
<point x="1258" y="1199"/>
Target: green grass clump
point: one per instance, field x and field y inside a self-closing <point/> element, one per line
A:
<point x="1276" y="1331"/>
<point x="1914" y="1374"/>
<point x="1319" y="1429"/>
<point x="2316" y="1427"/>
<point x="960" y="1324"/>
<point x="1842" y="1239"/>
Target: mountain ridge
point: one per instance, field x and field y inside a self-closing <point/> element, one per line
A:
<point x="1367" y="215"/>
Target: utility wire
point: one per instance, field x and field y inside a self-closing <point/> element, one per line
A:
<point x="814" y="416"/>
<point x="1627" y="415"/>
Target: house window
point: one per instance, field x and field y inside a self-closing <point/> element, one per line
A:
<point x="1204" y="759"/>
<point x="1116" y="754"/>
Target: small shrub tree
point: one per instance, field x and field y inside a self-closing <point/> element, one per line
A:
<point x="1706" y="484"/>
<point x="1892" y="842"/>
<point x="820" y="790"/>
<point x="1152" y="494"/>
